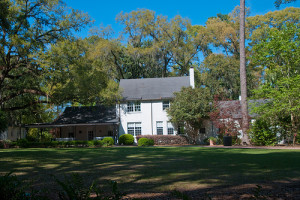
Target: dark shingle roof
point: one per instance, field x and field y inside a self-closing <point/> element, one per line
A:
<point x="87" y="115"/>
<point x="152" y="88"/>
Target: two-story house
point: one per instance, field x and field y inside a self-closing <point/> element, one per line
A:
<point x="142" y="110"/>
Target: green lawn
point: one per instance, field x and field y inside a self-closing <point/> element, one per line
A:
<point x="156" y="169"/>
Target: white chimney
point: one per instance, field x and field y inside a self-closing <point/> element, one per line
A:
<point x="192" y="78"/>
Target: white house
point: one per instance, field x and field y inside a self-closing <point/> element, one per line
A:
<point x="142" y="110"/>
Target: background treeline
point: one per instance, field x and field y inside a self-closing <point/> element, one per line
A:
<point x="44" y="67"/>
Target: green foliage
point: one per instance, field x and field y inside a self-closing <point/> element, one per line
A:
<point x="107" y="141"/>
<point x="277" y="3"/>
<point x="29" y="27"/>
<point x="213" y="139"/>
<point x="3" y="121"/>
<point x="145" y="142"/>
<point x="262" y="133"/>
<point x="23" y="143"/>
<point x="35" y="135"/>
<point x="190" y="107"/>
<point x="279" y="54"/>
<point x="126" y="139"/>
<point x="91" y="143"/>
<point x="220" y="74"/>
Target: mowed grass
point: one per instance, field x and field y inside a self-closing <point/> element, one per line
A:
<point x="155" y="169"/>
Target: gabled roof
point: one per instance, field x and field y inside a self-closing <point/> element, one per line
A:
<point x="152" y="88"/>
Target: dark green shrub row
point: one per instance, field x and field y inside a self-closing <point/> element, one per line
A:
<point x="145" y="142"/>
<point x="126" y="139"/>
<point x="24" y="143"/>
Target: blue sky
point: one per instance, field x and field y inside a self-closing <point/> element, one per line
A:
<point x="105" y="12"/>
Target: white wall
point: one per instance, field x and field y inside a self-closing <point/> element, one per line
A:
<point x="13" y="133"/>
<point x="144" y="116"/>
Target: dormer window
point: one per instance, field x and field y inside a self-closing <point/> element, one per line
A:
<point x="133" y="106"/>
<point x="166" y="104"/>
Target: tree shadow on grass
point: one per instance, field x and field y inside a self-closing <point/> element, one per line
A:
<point x="193" y="170"/>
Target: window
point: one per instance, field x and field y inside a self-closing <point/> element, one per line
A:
<point x="130" y="107"/>
<point x="133" y="106"/>
<point x="166" y="104"/>
<point x="170" y="128"/>
<point x="202" y="131"/>
<point x="90" y="135"/>
<point x="134" y="128"/>
<point x="159" y="128"/>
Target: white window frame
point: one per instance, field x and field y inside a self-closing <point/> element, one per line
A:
<point x="159" y="128"/>
<point x="170" y="128"/>
<point x="133" y="106"/>
<point x="165" y="104"/>
<point x="134" y="128"/>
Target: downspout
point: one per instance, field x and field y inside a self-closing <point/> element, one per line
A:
<point x="151" y="119"/>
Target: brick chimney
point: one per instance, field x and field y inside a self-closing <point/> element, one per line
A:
<point x="192" y="78"/>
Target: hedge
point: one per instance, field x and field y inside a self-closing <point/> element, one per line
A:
<point x="166" y="139"/>
<point x="145" y="142"/>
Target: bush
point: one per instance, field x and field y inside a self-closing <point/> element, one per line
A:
<point x="90" y="143"/>
<point x="126" y="139"/>
<point x="145" y="142"/>
<point x="5" y="144"/>
<point x="107" y="141"/>
<point x="3" y="121"/>
<point x="236" y="140"/>
<point x="262" y="133"/>
<point x="166" y="139"/>
<point x="23" y="143"/>
<point x="34" y="135"/>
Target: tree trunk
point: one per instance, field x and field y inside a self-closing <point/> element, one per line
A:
<point x="294" y="129"/>
<point x="243" y="79"/>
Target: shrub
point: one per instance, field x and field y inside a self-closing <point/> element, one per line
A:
<point x="91" y="143"/>
<point x="107" y="141"/>
<point x="236" y="140"/>
<point x="262" y="133"/>
<point x="213" y="139"/>
<point x="5" y="144"/>
<point x="126" y="139"/>
<point x="166" y="139"/>
<point x="71" y="143"/>
<point x="145" y="142"/>
<point x="81" y="143"/>
<point x="34" y="135"/>
<point x="97" y="142"/>
<point x="23" y="143"/>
